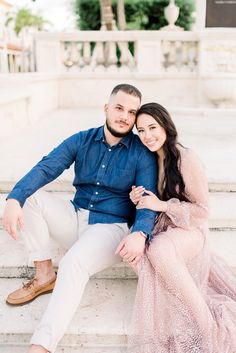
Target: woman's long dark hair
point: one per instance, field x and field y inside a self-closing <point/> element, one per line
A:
<point x="174" y="186"/>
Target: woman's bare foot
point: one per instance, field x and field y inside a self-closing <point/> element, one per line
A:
<point x="37" y="349"/>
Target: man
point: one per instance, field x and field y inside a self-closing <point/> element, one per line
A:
<point x="94" y="226"/>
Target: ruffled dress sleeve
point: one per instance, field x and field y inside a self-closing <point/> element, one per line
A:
<point x="195" y="212"/>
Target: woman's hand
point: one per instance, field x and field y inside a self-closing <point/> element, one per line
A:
<point x="152" y="202"/>
<point x="136" y="194"/>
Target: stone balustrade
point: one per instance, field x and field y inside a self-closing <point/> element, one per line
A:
<point x="15" y="59"/>
<point x="186" y="68"/>
<point x="117" y="51"/>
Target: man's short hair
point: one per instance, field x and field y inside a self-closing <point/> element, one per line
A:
<point x="126" y="88"/>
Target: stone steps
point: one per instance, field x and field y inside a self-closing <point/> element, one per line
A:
<point x="99" y="325"/>
<point x="22" y="348"/>
<point x="222" y="208"/>
<point x="222" y="236"/>
<point x="14" y="262"/>
<point x="63" y="185"/>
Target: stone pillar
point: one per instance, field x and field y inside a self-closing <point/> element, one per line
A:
<point x="217" y="67"/>
<point x="200" y="8"/>
<point x="3" y="59"/>
<point x="217" y="57"/>
<point x="48" y="54"/>
<point x="148" y="56"/>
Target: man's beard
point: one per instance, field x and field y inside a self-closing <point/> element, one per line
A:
<point x="116" y="133"/>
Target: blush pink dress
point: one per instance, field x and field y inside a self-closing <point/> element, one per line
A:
<point x="186" y="295"/>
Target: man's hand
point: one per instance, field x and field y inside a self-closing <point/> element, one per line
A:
<point x="136" y="194"/>
<point x="131" y="248"/>
<point x="13" y="216"/>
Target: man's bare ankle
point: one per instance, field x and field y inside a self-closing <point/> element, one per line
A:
<point x="44" y="271"/>
<point x="37" y="349"/>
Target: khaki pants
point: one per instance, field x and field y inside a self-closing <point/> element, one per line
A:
<point x="91" y="249"/>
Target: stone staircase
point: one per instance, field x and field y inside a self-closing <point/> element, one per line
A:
<point x="100" y="324"/>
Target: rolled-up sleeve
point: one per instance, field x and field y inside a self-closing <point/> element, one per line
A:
<point x="146" y="176"/>
<point x="48" y="169"/>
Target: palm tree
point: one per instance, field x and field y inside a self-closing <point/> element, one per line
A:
<point x="121" y="15"/>
<point x="107" y="15"/>
<point x="25" y="18"/>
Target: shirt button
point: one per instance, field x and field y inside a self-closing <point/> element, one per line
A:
<point x="98" y="183"/>
<point x="109" y="149"/>
<point x="91" y="205"/>
<point x="96" y="193"/>
<point x="103" y="166"/>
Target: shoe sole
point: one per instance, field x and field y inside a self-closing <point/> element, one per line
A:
<point x="30" y="300"/>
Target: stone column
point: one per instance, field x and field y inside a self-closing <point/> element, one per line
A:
<point x="200" y="6"/>
<point x="218" y="65"/>
<point x="148" y="54"/>
<point x="3" y="58"/>
<point x="48" y="53"/>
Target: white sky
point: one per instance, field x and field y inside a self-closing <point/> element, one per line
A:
<point x="59" y="12"/>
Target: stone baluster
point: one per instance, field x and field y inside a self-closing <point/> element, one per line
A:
<point x="32" y="59"/>
<point x="11" y="63"/>
<point x="99" y="57"/>
<point x="23" y="61"/>
<point x="125" y="61"/>
<point x="66" y="55"/>
<point x="185" y="47"/>
<point x="192" y="53"/>
<point x="172" y="56"/>
<point x="112" y="60"/>
<point x="178" y="55"/>
<point x="86" y="55"/>
<point x="27" y="62"/>
<point x="165" y="49"/>
<point x="75" y="56"/>
<point x="74" y="53"/>
<point x="19" y="62"/>
<point x="16" y="62"/>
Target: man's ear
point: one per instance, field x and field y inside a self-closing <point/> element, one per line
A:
<point x="105" y="107"/>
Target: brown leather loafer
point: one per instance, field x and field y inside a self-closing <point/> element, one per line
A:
<point x="29" y="291"/>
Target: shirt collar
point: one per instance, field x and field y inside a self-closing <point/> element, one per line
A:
<point x="124" y="141"/>
<point x="100" y="134"/>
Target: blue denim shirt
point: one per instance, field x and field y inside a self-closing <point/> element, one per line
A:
<point x="103" y="177"/>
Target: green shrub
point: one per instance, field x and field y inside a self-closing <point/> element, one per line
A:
<point x="140" y="14"/>
<point x="87" y="14"/>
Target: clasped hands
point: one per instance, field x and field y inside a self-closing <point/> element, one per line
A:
<point x="143" y="198"/>
<point x="132" y="247"/>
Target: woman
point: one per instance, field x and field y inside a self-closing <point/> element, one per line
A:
<point x="186" y="297"/>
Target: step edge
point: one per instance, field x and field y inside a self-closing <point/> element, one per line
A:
<point x="66" y="186"/>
